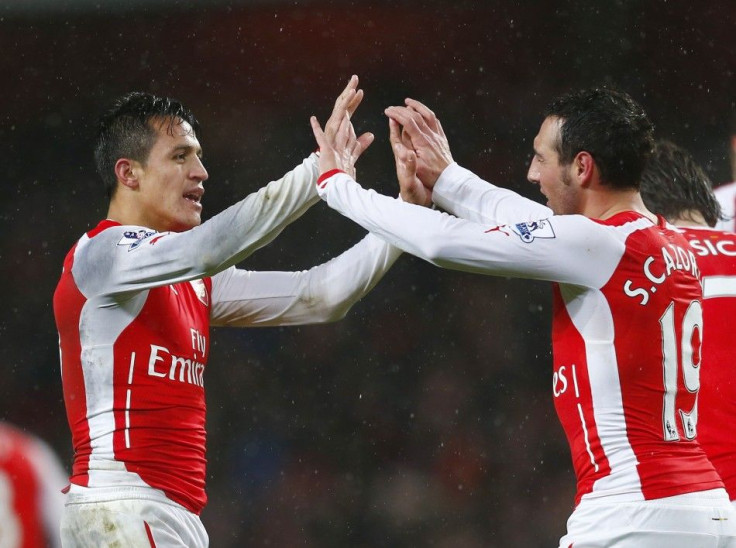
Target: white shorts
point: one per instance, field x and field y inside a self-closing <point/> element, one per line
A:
<point x="706" y="519"/>
<point x="122" y="517"/>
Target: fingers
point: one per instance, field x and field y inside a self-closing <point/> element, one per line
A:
<point x="410" y="189"/>
<point x="349" y="91"/>
<point x="398" y="135"/>
<point x="328" y="159"/>
<point x="394" y="131"/>
<point x="355" y="150"/>
<point x="429" y="117"/>
<point x="363" y="142"/>
<point x="420" y="108"/>
<point x="338" y="139"/>
<point x="406" y="160"/>
<point x="351" y="130"/>
<point x="318" y="133"/>
<point x="355" y="102"/>
<point x="349" y="98"/>
<point x="439" y="129"/>
<point x="339" y="113"/>
<point x="406" y="140"/>
<point x="406" y="164"/>
<point x="411" y="121"/>
<point x="345" y="133"/>
<point x="403" y="115"/>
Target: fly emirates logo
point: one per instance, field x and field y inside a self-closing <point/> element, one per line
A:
<point x="657" y="269"/>
<point x="162" y="363"/>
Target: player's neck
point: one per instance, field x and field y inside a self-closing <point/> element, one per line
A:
<point x="606" y="202"/>
<point x="690" y="218"/>
<point x="127" y="213"/>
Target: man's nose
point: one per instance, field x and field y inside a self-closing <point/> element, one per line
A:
<point x="200" y="173"/>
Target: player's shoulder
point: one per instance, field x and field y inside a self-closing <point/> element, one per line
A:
<point x="627" y="223"/>
<point x="102" y="247"/>
<point x="109" y="228"/>
<point x="110" y="233"/>
<point x="583" y="229"/>
<point x="623" y="219"/>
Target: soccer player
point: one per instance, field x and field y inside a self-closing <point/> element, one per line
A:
<point x="31" y="480"/>
<point x="135" y="302"/>
<point x="627" y="303"/>
<point x="674" y="186"/>
<point x="726" y="193"/>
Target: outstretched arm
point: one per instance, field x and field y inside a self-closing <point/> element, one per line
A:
<point x="146" y="259"/>
<point x="555" y="249"/>
<point x="324" y="293"/>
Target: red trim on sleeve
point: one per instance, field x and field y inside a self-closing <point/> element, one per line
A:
<point x="326" y="175"/>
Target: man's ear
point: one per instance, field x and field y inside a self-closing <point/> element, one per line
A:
<point x="584" y="168"/>
<point x="126" y="172"/>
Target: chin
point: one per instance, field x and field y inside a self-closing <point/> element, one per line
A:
<point x="184" y="226"/>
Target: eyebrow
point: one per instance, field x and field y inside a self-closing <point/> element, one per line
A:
<point x="188" y="148"/>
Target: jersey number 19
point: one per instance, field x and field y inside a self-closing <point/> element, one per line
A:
<point x="690" y="339"/>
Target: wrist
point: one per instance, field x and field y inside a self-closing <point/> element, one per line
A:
<point x="326" y="175"/>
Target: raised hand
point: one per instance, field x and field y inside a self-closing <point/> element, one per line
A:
<point x="411" y="188"/>
<point x="424" y="130"/>
<point x="339" y="146"/>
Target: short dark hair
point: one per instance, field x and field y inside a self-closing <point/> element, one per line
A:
<point x="126" y="130"/>
<point x="673" y="185"/>
<point x="611" y="127"/>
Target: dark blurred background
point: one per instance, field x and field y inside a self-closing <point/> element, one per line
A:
<point x="425" y="417"/>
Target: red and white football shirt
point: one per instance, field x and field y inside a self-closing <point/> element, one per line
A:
<point x="627" y="320"/>
<point x="133" y="309"/>
<point x="716" y="254"/>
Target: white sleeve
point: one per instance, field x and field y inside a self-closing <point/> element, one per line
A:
<point x="567" y="249"/>
<point x="116" y="261"/>
<point x="465" y="195"/>
<point x="321" y="294"/>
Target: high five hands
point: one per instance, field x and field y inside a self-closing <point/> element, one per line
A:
<point x="420" y="146"/>
<point x="422" y="130"/>
<point x="339" y="147"/>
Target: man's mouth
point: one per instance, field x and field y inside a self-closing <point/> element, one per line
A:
<point x="195" y="197"/>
